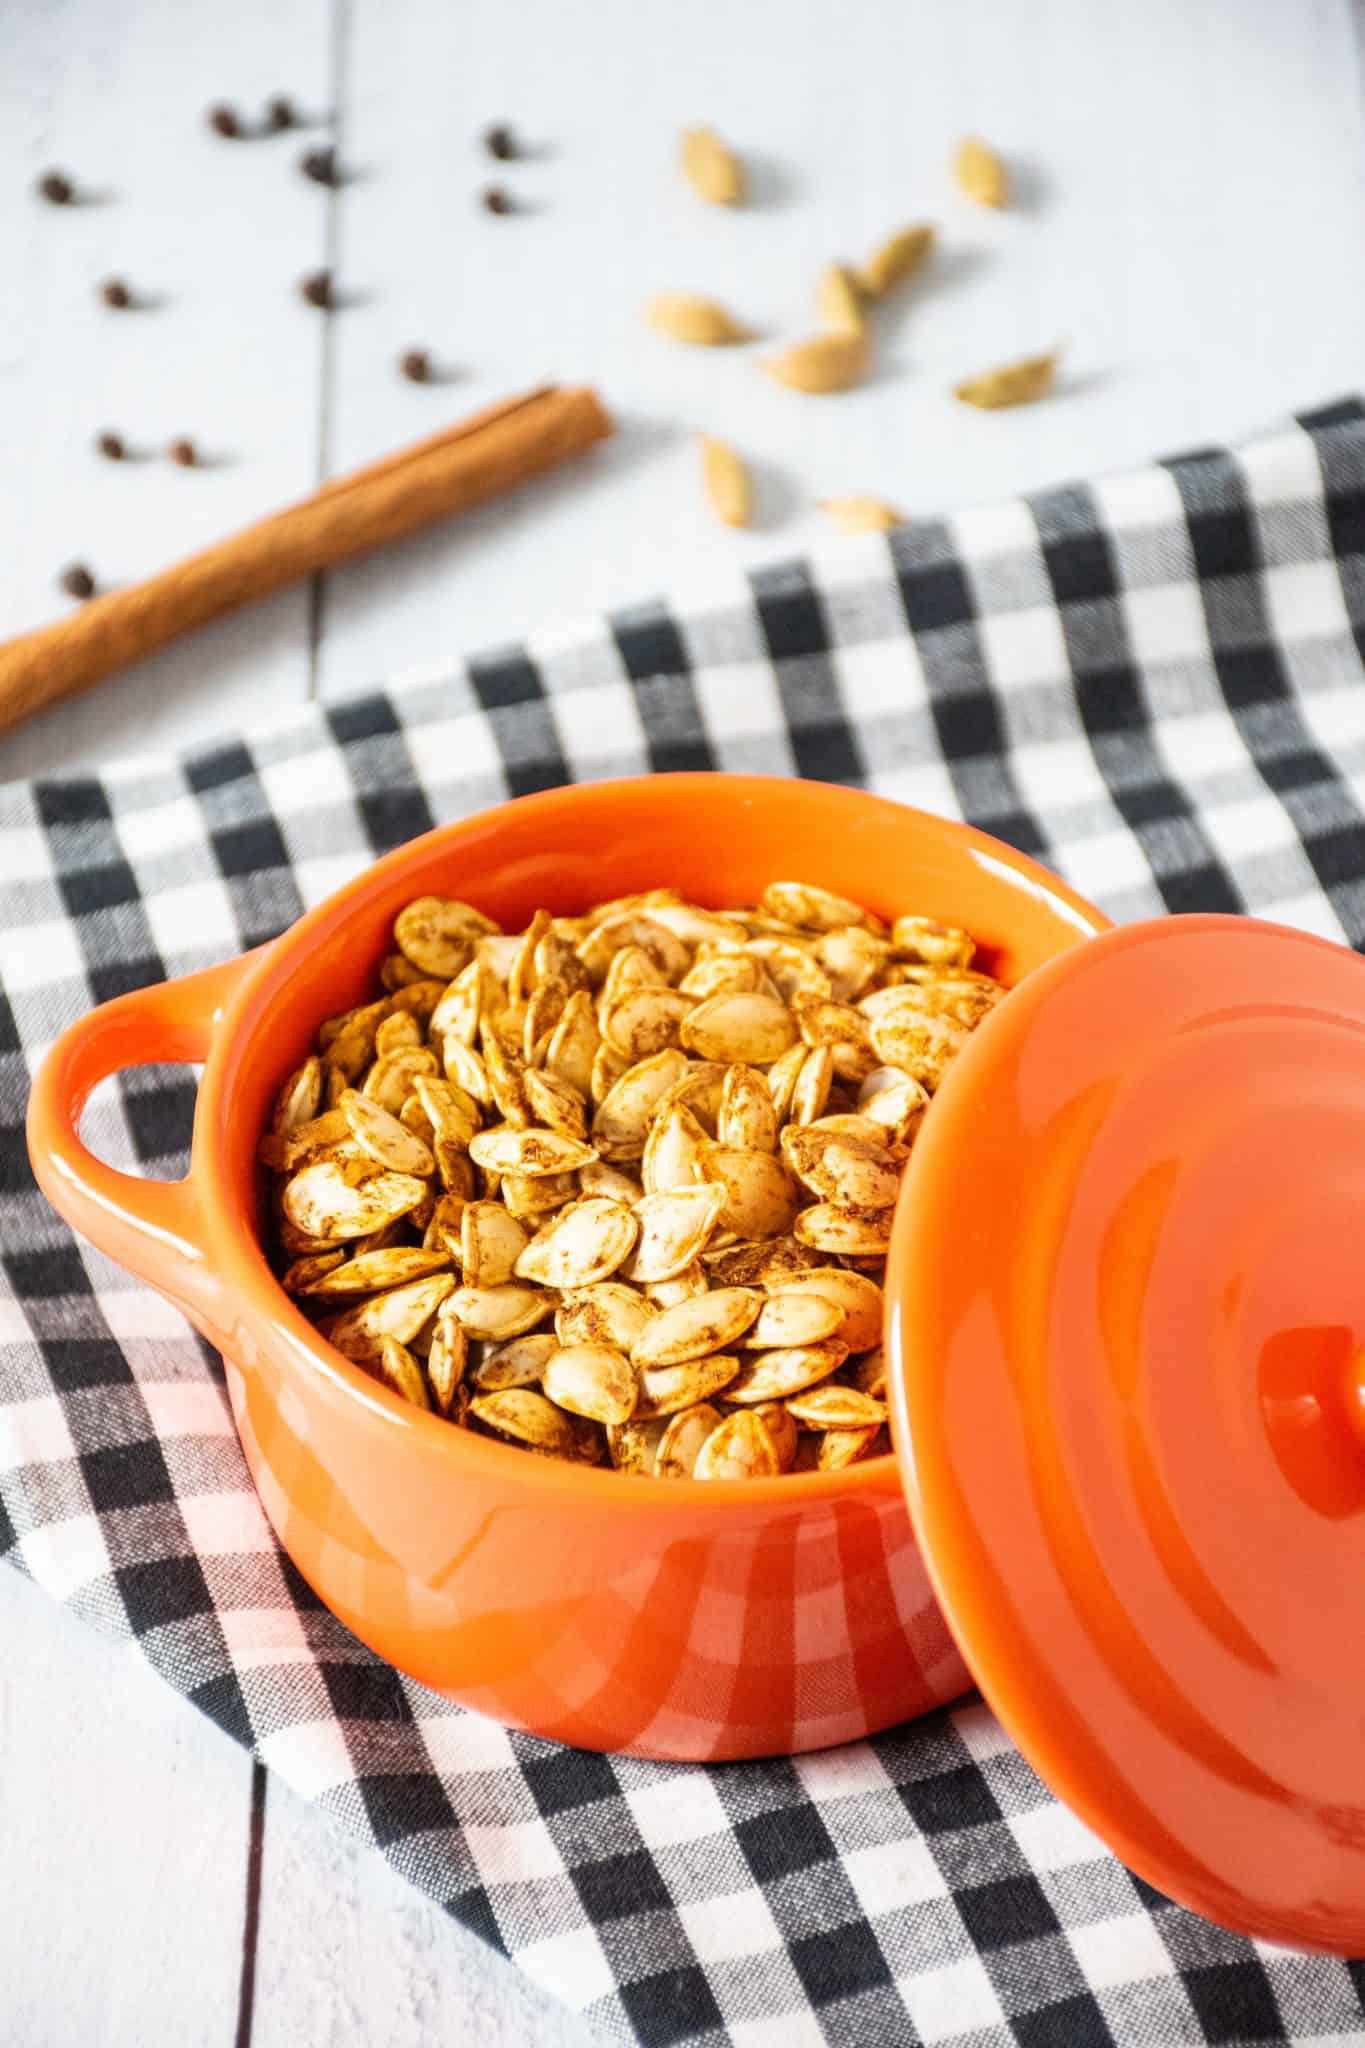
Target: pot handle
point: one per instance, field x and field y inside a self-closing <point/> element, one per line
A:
<point x="152" y="1227"/>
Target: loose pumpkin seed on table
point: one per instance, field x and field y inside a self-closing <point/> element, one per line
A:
<point x="618" y="1189"/>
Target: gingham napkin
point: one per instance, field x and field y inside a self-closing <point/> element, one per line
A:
<point x="1155" y="684"/>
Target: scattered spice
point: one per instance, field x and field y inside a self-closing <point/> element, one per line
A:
<point x="496" y="199"/>
<point x="727" y="481"/>
<point x="415" y="365"/>
<point x="317" y="289"/>
<point x="980" y="173"/>
<point x="183" y="452"/>
<point x="114" y="292"/>
<point x="111" y="446"/>
<point x="77" y="581"/>
<point x="280" y="114"/>
<point x="225" y="121"/>
<point x="321" y="166"/>
<point x="56" y="188"/>
<point x="500" y="142"/>
<point x="1011" y="384"/>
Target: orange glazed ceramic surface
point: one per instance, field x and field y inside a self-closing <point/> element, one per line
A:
<point x="674" y="1620"/>
<point x="1127" y="1391"/>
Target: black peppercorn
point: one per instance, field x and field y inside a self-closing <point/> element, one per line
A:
<point x="317" y="289"/>
<point x="56" y="188"/>
<point x="183" y="452"/>
<point x="111" y="446"/>
<point x="496" y="199"/>
<point x="500" y="142"/>
<point x="320" y="165"/>
<point x="77" y="581"/>
<point x="279" y="114"/>
<point x="415" y="365"/>
<point x="224" y="121"/>
<point x="114" y="292"/>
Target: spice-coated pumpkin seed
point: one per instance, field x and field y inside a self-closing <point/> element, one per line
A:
<point x="320" y="1200"/>
<point x="761" y="1197"/>
<point x="809" y="908"/>
<point x="620" y="1128"/>
<point x="683" y="1438"/>
<point x="584" y="1244"/>
<point x="835" y="1406"/>
<point x="399" y="1369"/>
<point x="520" y="1362"/>
<point x="673" y="1150"/>
<point x="379" y="1133"/>
<point x="754" y="1028"/>
<point x="664" y="1389"/>
<point x="741" y="1448"/>
<point x="782" y="1428"/>
<point x="437" y="934"/>
<point x="528" y="1152"/>
<point x="692" y="1328"/>
<point x="528" y="1418"/>
<point x="776" y="1375"/>
<point x="855" y="1233"/>
<point x="556" y="1104"/>
<point x="398" y="1033"/>
<point x="303" y="1276"/>
<point x="369" y="1272"/>
<point x="491" y="1242"/>
<point x="504" y="1311"/>
<point x="748" y="1117"/>
<point x="447" y="1359"/>
<point x="300" y="1098"/>
<point x="859" y="1300"/>
<point x="841" y="1447"/>
<point x="600" y="1177"/>
<point x="633" y="1446"/>
<point x="673" y="1229"/>
<point x="868" y="1373"/>
<point x="685" y="1286"/>
<point x="791" y="1318"/>
<point x="573" y="1043"/>
<point x="398" y="1313"/>
<point x="608" y="1313"/>
<point x="644" y="1021"/>
<point x="592" y="1380"/>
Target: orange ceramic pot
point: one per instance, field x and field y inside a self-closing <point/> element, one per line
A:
<point x="642" y="1615"/>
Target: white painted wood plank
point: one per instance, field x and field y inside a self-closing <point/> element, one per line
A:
<point x="1193" y="183"/>
<point x="350" y="1953"/>
<point x="123" y="1818"/>
<point x="115" y="92"/>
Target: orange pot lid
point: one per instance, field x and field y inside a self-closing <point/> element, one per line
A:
<point x="1128" y="1350"/>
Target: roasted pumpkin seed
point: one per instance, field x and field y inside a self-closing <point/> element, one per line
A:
<point x="677" y="1131"/>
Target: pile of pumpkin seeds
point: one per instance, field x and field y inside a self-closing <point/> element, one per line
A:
<point x="619" y="1188"/>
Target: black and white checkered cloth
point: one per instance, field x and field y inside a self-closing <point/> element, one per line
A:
<point x="1155" y="684"/>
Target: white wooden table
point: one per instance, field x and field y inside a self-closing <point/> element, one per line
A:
<point x="1192" y="184"/>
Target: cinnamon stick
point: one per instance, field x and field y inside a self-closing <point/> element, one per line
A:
<point x="461" y="466"/>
